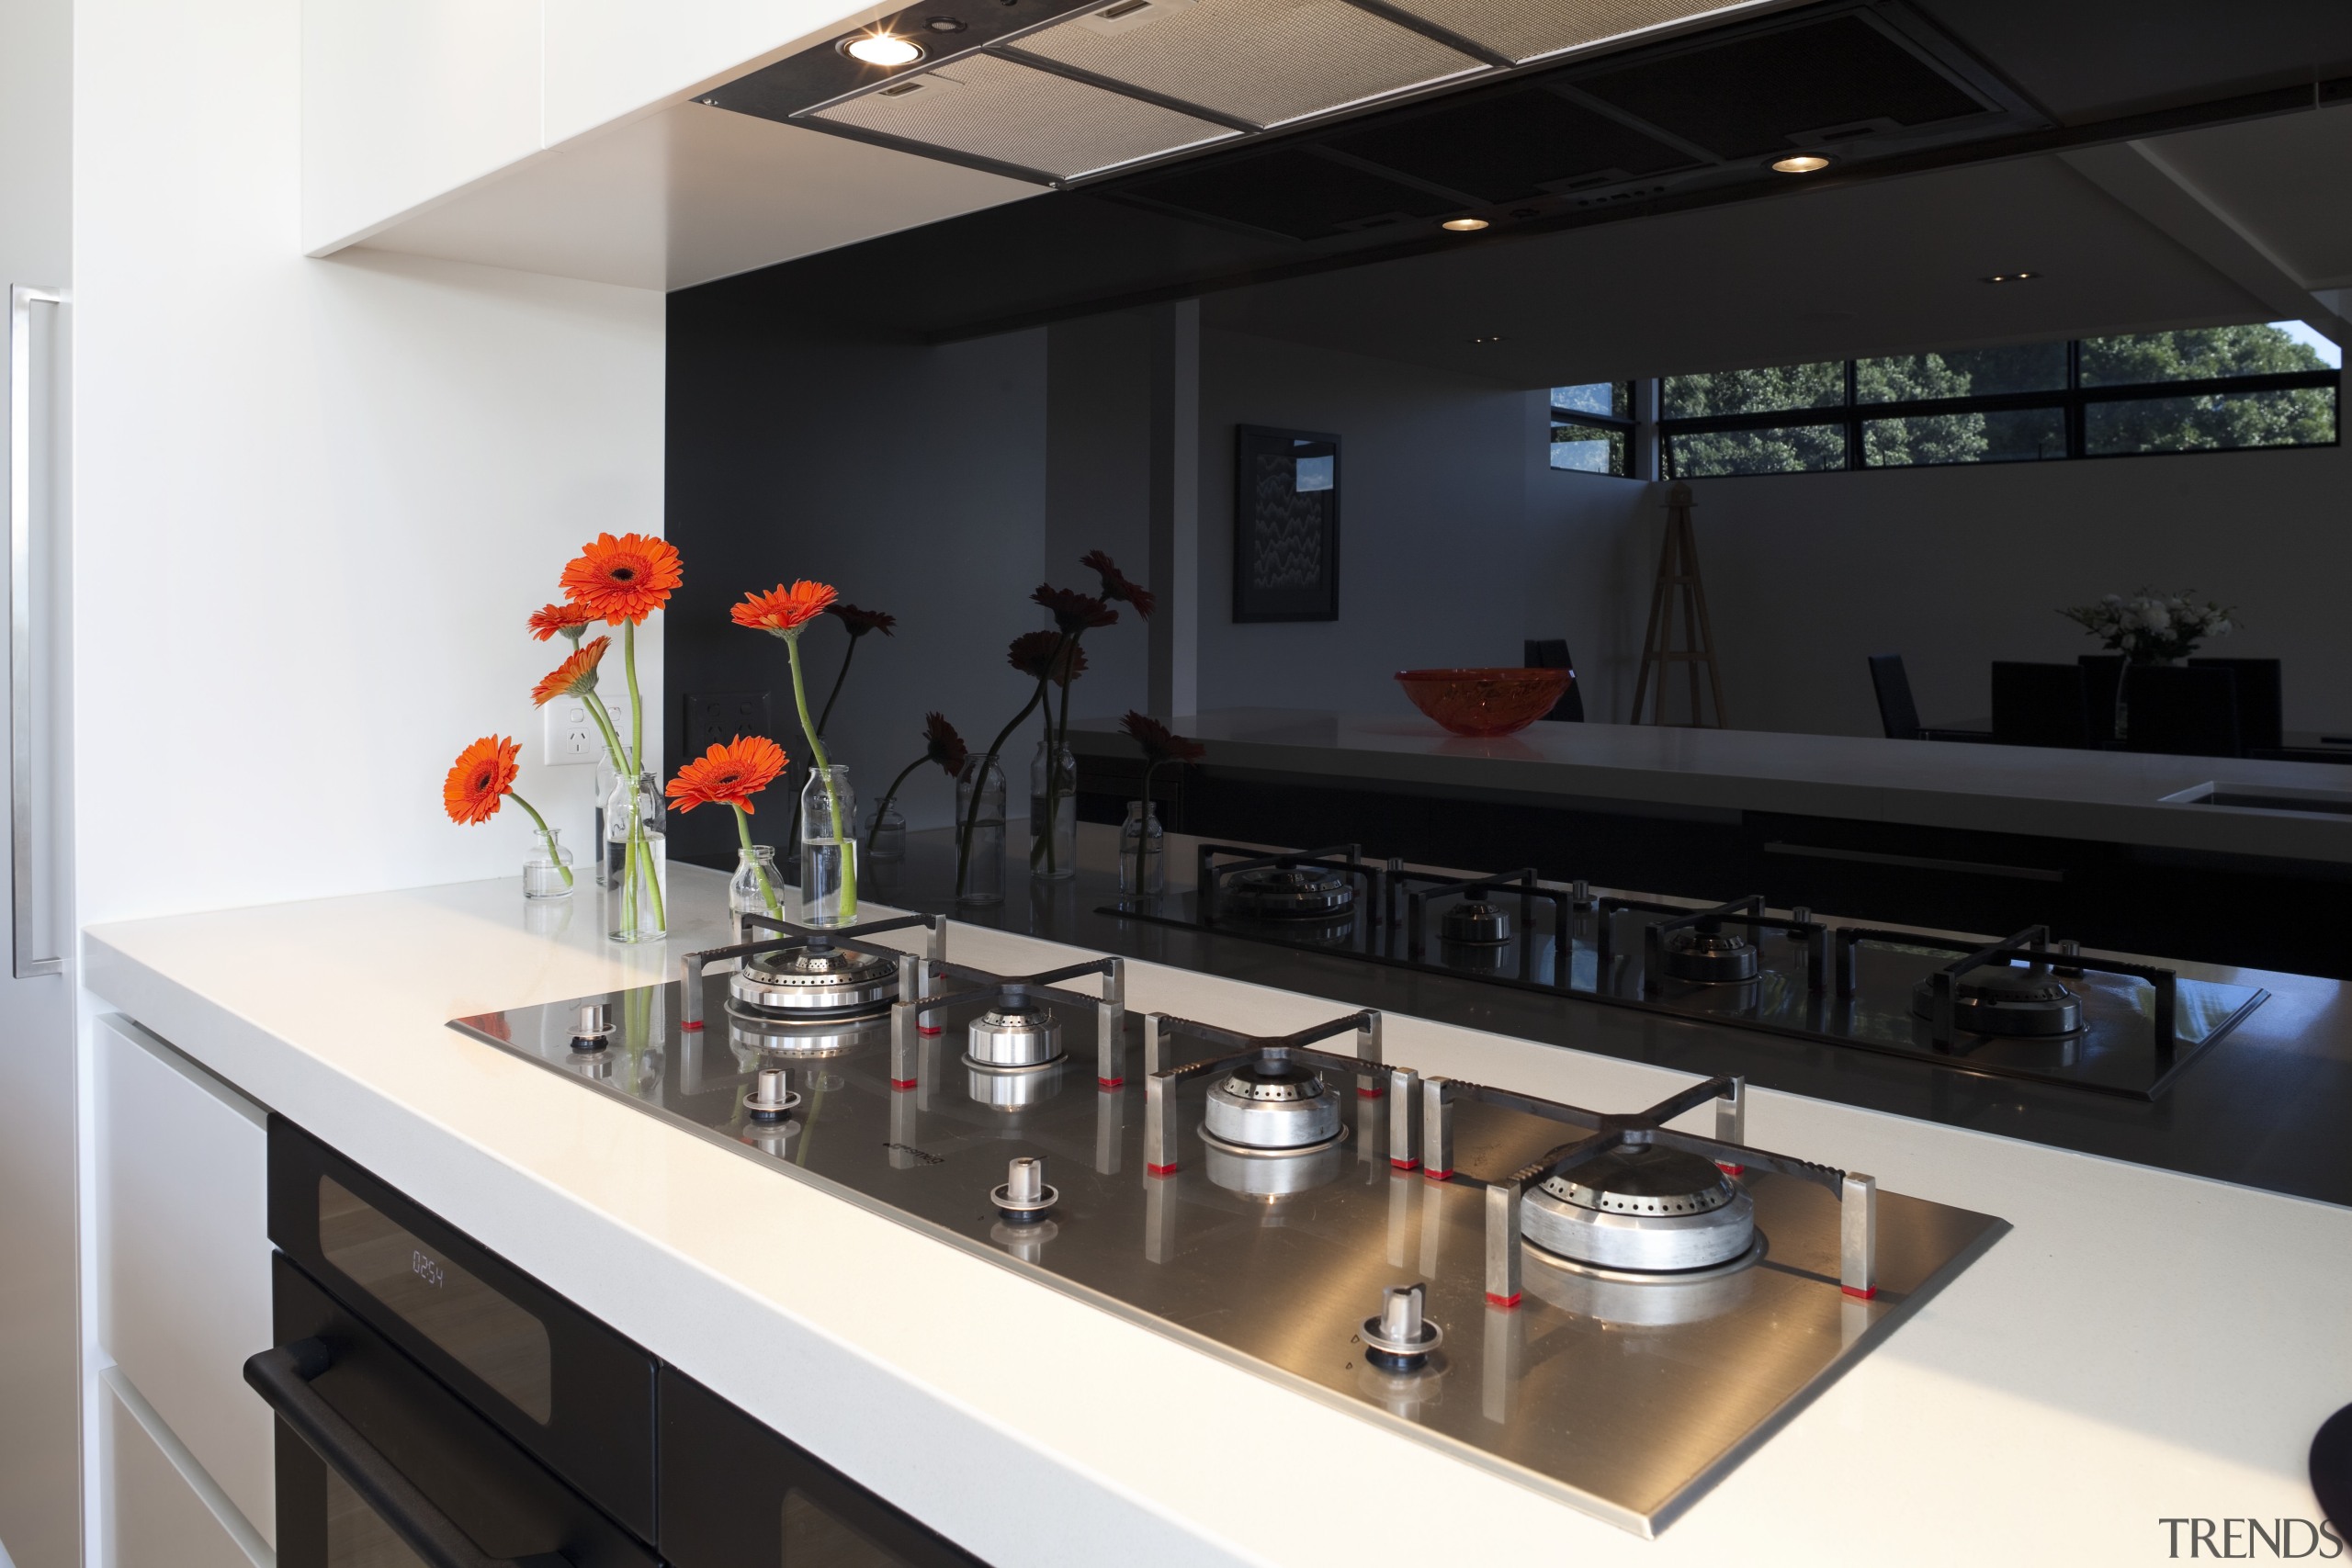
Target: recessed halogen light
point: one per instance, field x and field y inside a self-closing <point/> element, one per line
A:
<point x="2012" y="277"/>
<point x="1463" y="225"/>
<point x="883" y="49"/>
<point x="1490" y="337"/>
<point x="1803" y="163"/>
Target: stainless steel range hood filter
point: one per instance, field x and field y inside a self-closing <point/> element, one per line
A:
<point x="1522" y="30"/>
<point x="1266" y="62"/>
<point x="992" y="108"/>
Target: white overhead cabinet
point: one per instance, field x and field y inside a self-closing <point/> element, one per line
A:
<point x="561" y="136"/>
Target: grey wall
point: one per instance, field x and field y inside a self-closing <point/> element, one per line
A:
<point x="1953" y="567"/>
<point x="1098" y="459"/>
<point x="1456" y="540"/>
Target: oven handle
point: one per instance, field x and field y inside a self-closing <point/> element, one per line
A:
<point x="283" y="1378"/>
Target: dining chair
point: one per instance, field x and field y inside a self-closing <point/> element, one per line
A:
<point x="1552" y="653"/>
<point x="2182" y="711"/>
<point x="2261" y="708"/>
<point x="1898" y="714"/>
<point x="2040" y="705"/>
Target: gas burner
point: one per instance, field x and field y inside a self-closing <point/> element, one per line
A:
<point x="1287" y="893"/>
<point x="1272" y="1107"/>
<point x="1010" y="1037"/>
<point x="770" y="1035"/>
<point x="1619" y="1299"/>
<point x="814" y="982"/>
<point x="2003" y="999"/>
<point x="1474" y="922"/>
<point x="1013" y="1089"/>
<point x="1641" y="1208"/>
<point x="1708" y="957"/>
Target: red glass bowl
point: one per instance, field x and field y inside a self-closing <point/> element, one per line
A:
<point x="1485" y="702"/>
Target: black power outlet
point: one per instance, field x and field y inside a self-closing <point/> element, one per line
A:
<point x="713" y="718"/>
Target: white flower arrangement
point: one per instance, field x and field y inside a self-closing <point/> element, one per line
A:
<point x="2150" y="628"/>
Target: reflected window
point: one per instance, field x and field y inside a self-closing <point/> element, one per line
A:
<point x="1592" y="428"/>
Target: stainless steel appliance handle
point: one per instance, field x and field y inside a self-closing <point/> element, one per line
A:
<point x="283" y="1378"/>
<point x="22" y="298"/>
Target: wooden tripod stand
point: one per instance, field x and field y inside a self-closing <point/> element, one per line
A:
<point x="1678" y="578"/>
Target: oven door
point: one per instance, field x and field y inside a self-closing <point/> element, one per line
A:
<point x="735" y="1494"/>
<point x="379" y="1466"/>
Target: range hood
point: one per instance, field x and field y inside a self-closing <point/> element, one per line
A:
<point x="1063" y="96"/>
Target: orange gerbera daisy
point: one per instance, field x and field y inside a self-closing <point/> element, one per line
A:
<point x="728" y="775"/>
<point x="623" y="579"/>
<point x="485" y="772"/>
<point x="568" y="619"/>
<point x="785" y="611"/>
<point x="574" y="676"/>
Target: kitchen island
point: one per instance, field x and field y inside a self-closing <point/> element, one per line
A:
<point x="2237" y="858"/>
<point x="888" y="1354"/>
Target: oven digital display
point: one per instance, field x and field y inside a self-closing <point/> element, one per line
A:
<point x="489" y="1335"/>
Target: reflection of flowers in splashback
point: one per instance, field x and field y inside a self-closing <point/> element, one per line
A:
<point x="2151" y="628"/>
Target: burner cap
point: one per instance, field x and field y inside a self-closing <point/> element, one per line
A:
<point x="1709" y="957"/>
<point x="816" y="982"/>
<point x="1474" y="922"/>
<point x="1641" y="1208"/>
<point x="1272" y="1107"/>
<point x="1287" y="892"/>
<point x="2006" y="999"/>
<point x="1014" y="1037"/>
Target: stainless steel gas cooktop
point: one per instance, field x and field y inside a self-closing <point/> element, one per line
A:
<point x="1603" y="1306"/>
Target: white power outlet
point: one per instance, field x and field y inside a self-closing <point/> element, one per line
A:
<point x="570" y="734"/>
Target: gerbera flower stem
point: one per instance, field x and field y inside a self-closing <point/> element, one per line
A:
<point x="826" y="713"/>
<point x="743" y="831"/>
<point x="544" y="833"/>
<point x="980" y="778"/>
<point x="630" y="863"/>
<point x="825" y="772"/>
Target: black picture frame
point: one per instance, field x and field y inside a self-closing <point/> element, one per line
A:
<point x="1285" y="525"/>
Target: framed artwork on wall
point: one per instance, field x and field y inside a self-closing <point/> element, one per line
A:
<point x="1285" y="525"/>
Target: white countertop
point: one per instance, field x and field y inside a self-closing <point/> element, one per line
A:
<point x="2108" y="796"/>
<point x="2143" y="1345"/>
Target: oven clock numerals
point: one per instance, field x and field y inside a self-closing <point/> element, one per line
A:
<point x="426" y="1268"/>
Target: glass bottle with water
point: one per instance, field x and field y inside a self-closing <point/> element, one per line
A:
<point x="1053" y="813"/>
<point x="828" y="848"/>
<point x="979" y="831"/>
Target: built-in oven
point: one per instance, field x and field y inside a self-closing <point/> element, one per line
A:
<point x="438" y="1407"/>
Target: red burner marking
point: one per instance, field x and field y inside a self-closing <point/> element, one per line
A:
<point x="694" y="1028"/>
<point x="1364" y="1093"/>
<point x="902" y="1084"/>
<point x="1505" y="1302"/>
<point x="1406" y="1164"/>
<point x="1731" y="1169"/>
<point x="1860" y="1295"/>
<point x="1436" y="1175"/>
<point x="1160" y="1170"/>
<point x="927" y="1029"/>
<point x="1108" y="1083"/>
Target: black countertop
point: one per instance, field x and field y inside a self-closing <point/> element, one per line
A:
<point x="2266" y="1107"/>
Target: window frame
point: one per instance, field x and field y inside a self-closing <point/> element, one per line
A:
<point x="2071" y="399"/>
<point x="1624" y="425"/>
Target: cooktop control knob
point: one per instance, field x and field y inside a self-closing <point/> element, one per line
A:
<point x="768" y="1100"/>
<point x="1025" y="1198"/>
<point x="592" y="1026"/>
<point x="1400" y="1338"/>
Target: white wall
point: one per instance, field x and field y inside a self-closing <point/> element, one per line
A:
<point x="1809" y="574"/>
<point x="1457" y="541"/>
<point x="316" y="499"/>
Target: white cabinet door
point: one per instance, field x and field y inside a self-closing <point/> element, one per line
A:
<point x="405" y="103"/>
<point x="183" y="1267"/>
<point x="157" y="1513"/>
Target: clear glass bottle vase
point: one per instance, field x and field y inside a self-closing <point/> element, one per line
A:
<point x="1053" y="813"/>
<point x="757" y="887"/>
<point x="547" y="865"/>
<point x="828" y="848"/>
<point x="634" y="868"/>
<point x="1141" y="829"/>
<point x="887" y="840"/>
<point x="979" y="831"/>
